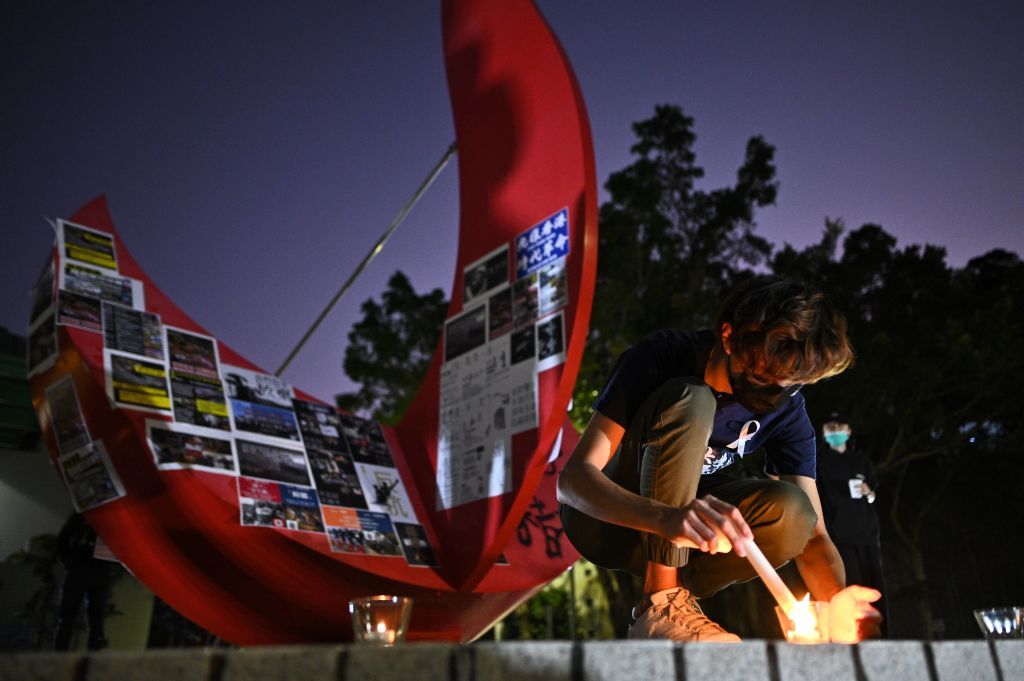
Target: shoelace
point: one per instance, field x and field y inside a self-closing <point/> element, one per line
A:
<point x="689" y="614"/>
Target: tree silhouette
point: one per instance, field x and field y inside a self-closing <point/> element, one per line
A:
<point x="933" y="400"/>
<point x="668" y="251"/>
<point x="390" y="349"/>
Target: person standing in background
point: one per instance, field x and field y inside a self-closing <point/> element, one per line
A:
<point x="848" y="487"/>
<point x="85" y="577"/>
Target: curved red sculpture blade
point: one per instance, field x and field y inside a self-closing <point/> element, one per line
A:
<point x="525" y="153"/>
<point x="179" y="531"/>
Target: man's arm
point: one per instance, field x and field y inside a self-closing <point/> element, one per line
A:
<point x="852" y="617"/>
<point x="820" y="564"/>
<point x="700" y="524"/>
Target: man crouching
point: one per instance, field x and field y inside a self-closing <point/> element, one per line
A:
<point x="646" y="483"/>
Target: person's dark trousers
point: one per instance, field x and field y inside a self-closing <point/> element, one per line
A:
<point x="90" y="584"/>
<point x="661" y="457"/>
<point x="863" y="563"/>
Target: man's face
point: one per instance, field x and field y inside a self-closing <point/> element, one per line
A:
<point x="754" y="391"/>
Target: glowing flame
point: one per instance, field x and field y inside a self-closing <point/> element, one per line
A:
<point x="805" y="621"/>
<point x="382" y="628"/>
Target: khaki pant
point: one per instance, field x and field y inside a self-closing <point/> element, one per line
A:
<point x="661" y="457"/>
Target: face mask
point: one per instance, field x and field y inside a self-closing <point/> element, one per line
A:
<point x="756" y="397"/>
<point x="837" y="439"/>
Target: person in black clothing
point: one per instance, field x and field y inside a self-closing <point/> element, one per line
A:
<point x="647" y="489"/>
<point x="847" y="485"/>
<point x="85" y="577"/>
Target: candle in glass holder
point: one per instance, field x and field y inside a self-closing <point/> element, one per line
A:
<point x="806" y="622"/>
<point x="380" y="620"/>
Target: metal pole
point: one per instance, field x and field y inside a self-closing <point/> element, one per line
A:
<point x="377" y="248"/>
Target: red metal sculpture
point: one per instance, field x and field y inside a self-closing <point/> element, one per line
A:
<point x="227" y="494"/>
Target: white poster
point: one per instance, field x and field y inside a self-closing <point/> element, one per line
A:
<point x="136" y="383"/>
<point x="41" y="349"/>
<point x="184" y="447"/>
<point x="69" y="427"/>
<point x="87" y="245"/>
<point x="95" y="282"/>
<point x="385" y="493"/>
<point x="487" y="395"/>
<point x="90" y="477"/>
<point x="261" y="404"/>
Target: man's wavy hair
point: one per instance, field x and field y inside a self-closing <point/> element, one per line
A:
<point x="787" y="329"/>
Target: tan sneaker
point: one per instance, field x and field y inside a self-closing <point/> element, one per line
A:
<point x="675" y="615"/>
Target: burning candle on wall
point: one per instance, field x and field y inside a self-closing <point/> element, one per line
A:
<point x="380" y="620"/>
<point x="803" y="621"/>
<point x="807" y="622"/>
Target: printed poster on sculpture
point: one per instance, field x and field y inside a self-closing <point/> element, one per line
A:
<point x="86" y="245"/>
<point x="184" y="447"/>
<point x="131" y="331"/>
<point x="261" y="404"/>
<point x="107" y="286"/>
<point x="542" y="244"/>
<point x="487" y="395"/>
<point x="196" y="388"/>
<point x="69" y="428"/>
<point x="90" y="476"/>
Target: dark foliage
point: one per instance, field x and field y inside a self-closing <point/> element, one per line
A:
<point x="389" y="350"/>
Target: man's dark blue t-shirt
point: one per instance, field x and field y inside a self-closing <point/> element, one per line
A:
<point x="786" y="434"/>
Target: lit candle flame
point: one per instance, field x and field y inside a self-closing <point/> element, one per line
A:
<point x="805" y="621"/>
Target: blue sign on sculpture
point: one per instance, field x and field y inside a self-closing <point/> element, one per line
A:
<point x="544" y="243"/>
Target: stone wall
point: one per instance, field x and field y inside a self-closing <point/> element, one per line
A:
<point x="540" y="661"/>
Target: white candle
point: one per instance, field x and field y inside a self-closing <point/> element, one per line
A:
<point x="767" y="573"/>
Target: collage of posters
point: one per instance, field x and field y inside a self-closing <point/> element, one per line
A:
<point x="508" y="331"/>
<point x="299" y="465"/>
<point x="373" y="499"/>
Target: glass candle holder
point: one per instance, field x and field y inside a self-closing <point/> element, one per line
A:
<point x="807" y="624"/>
<point x="998" y="623"/>
<point x="380" y="620"/>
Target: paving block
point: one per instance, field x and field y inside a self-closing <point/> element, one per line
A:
<point x="956" y="660"/>
<point x="1011" y="659"/>
<point x="893" y="661"/>
<point x="832" y="661"/>
<point x="604" y="661"/>
<point x="179" y="664"/>
<point x="420" y="661"/>
<point x="305" y="663"/>
<point x="746" y="661"/>
<point x="526" y="661"/>
<point x="41" y="666"/>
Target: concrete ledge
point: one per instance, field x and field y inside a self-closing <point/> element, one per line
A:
<point x="540" y="661"/>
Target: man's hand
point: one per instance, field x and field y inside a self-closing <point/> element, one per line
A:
<point x="708" y="524"/>
<point x="852" y="618"/>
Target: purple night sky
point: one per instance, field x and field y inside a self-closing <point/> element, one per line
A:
<point x="252" y="152"/>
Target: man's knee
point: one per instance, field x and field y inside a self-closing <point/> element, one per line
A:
<point x="685" y="398"/>
<point x="795" y="518"/>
